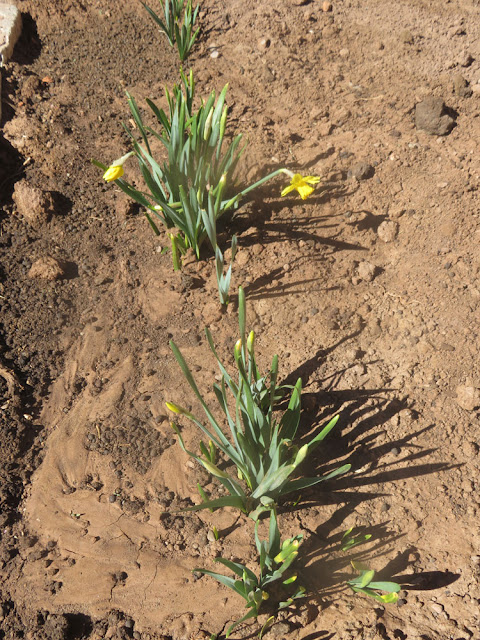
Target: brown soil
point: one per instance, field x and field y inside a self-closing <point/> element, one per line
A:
<point x="368" y="291"/>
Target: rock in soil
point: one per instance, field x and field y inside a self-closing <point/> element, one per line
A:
<point x="431" y="116"/>
<point x="388" y="230"/>
<point x="468" y="397"/>
<point x="361" y="171"/>
<point x="34" y="205"/>
<point x="46" y="268"/>
<point x="461" y="86"/>
<point x="367" y="271"/>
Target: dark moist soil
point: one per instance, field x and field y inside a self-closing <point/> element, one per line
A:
<point x="368" y="291"/>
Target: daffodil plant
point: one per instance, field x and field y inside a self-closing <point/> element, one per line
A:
<point x="365" y="584"/>
<point x="261" y="447"/>
<point x="192" y="188"/>
<point x="271" y="583"/>
<point x="177" y="24"/>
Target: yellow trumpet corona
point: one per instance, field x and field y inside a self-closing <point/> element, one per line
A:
<point x="113" y="173"/>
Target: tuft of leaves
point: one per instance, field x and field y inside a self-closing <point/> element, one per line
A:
<point x="260" y="446"/>
<point x="275" y="558"/>
<point x="177" y="24"/>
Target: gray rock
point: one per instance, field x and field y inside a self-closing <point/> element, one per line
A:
<point x="361" y="171"/>
<point x="431" y="116"/>
<point x="461" y="86"/>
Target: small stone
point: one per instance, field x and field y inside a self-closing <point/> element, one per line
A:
<point x="461" y="86"/>
<point x="436" y="607"/>
<point x="263" y="43"/>
<point x="367" y="271"/>
<point x="344" y="53"/>
<point x="33" y="204"/>
<point x="431" y="116"/>
<point x="46" y="268"/>
<point x="280" y="630"/>
<point x="361" y="171"/>
<point x="388" y="230"/>
<point x="215" y="54"/>
<point x="406" y="37"/>
<point x="468" y="397"/>
<point x="327" y="6"/>
<point x="465" y="59"/>
<point x="211" y="536"/>
<point x="470" y="449"/>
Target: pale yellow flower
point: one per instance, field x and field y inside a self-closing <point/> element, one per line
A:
<point x="113" y="173"/>
<point x="302" y="185"/>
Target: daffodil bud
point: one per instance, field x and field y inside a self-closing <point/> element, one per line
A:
<point x="173" y="407"/>
<point x="208" y="125"/>
<point x="300" y="457"/>
<point x="213" y="469"/>
<point x="223" y="121"/>
<point x="287" y="552"/>
<point x="265" y="595"/>
<point x="179" y="410"/>
<point x="238" y="348"/>
<point x="250" y="341"/>
<point x="115" y="170"/>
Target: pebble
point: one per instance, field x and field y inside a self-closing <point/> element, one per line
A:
<point x="461" y="86"/>
<point x="465" y="59"/>
<point x="263" y="43"/>
<point x="211" y="536"/>
<point x="327" y="6"/>
<point x="367" y="271"/>
<point x="361" y="171"/>
<point x="436" y="607"/>
<point x="468" y="397"/>
<point x="388" y="230"/>
<point x="431" y="116"/>
<point x="215" y="54"/>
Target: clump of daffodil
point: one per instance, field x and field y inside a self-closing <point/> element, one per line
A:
<point x="272" y="577"/>
<point x="190" y="190"/>
<point x="115" y="170"/>
<point x="301" y="184"/>
<point x="257" y="441"/>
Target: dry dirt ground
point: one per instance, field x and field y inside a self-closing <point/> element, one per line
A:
<point x="369" y="290"/>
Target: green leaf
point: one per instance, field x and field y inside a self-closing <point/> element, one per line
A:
<point x="238" y="568"/>
<point x="325" y="431"/>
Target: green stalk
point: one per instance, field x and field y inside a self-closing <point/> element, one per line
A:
<point x="175" y="254"/>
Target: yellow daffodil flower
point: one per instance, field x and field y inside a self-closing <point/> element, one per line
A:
<point x="113" y="173"/>
<point x="302" y="185"/>
<point x="115" y="170"/>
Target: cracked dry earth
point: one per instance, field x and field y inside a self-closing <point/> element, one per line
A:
<point x="369" y="290"/>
